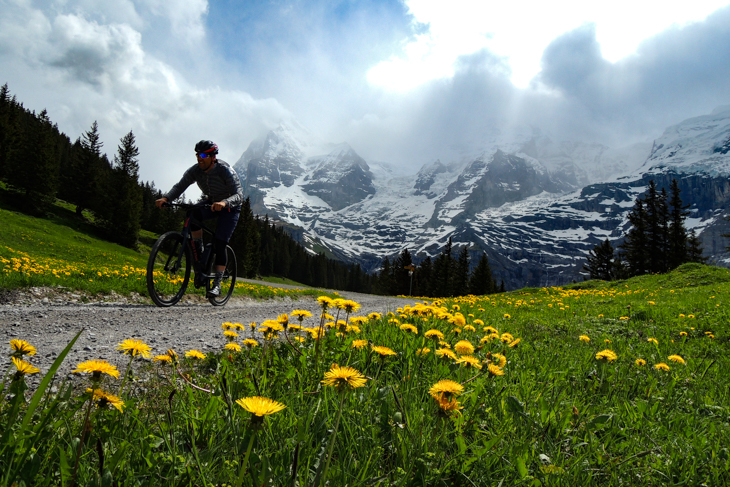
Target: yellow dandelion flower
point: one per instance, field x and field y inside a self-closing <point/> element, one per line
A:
<point x="374" y="316"/>
<point x="681" y="315"/>
<point x="515" y="342"/>
<point x="103" y="399"/>
<point x="464" y="347"/>
<point x="230" y="335"/>
<point x="469" y="361"/>
<point x="653" y="340"/>
<point x="343" y="377"/>
<point x="301" y="314"/>
<point x="359" y="344"/>
<point x="237" y="326"/>
<point x="446" y="354"/>
<point x="434" y="335"/>
<point x="640" y="362"/>
<point x="458" y="320"/>
<point x="325" y="302"/>
<point x="235" y="347"/>
<point x="97" y="367"/>
<point x="227" y="325"/>
<point x="662" y="366"/>
<point x="506" y="316"/>
<point x="423" y="351"/>
<point x="683" y="333"/>
<point x="495" y="370"/>
<point x="134" y="347"/>
<point x="506" y="337"/>
<point x="490" y="329"/>
<point x="676" y="358"/>
<point x="499" y="359"/>
<point x="24" y="367"/>
<point x="196" y="354"/>
<point x="409" y="328"/>
<point x="449" y="406"/>
<point x="162" y="358"/>
<point x="607" y="355"/>
<point x="283" y="320"/>
<point x="21" y="347"/>
<point x="446" y="388"/>
<point x="350" y="306"/>
<point x="260" y="406"/>
<point x="383" y="351"/>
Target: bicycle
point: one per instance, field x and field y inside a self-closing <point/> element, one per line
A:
<point x="169" y="265"/>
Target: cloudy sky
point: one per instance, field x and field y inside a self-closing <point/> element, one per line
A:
<point x="403" y="81"/>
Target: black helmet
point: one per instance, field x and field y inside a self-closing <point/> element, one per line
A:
<point x="206" y="146"/>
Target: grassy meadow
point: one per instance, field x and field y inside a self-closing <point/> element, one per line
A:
<point x="621" y="383"/>
<point x="61" y="251"/>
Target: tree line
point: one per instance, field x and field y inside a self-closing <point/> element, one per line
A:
<point x="656" y="242"/>
<point x="443" y="276"/>
<point x="38" y="164"/>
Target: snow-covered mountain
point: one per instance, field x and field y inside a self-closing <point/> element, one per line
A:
<point x="534" y="205"/>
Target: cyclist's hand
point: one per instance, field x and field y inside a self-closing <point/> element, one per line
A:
<point x="160" y="202"/>
<point x="218" y="206"/>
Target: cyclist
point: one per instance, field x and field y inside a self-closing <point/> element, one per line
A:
<point x="221" y="188"/>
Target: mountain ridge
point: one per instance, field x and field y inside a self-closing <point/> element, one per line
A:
<point x="535" y="211"/>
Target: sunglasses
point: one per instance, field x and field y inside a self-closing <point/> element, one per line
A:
<point x="203" y="155"/>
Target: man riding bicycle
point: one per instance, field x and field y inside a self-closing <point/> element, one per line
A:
<point x="221" y="187"/>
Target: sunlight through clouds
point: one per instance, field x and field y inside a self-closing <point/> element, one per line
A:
<point x="520" y="31"/>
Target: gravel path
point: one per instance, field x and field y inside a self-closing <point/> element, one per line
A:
<point x="49" y="319"/>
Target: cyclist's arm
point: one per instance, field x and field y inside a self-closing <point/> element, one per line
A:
<point x="233" y="183"/>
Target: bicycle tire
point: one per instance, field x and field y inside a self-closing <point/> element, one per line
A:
<point x="229" y="279"/>
<point x="167" y="283"/>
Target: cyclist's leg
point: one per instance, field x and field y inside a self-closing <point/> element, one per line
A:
<point x="227" y="221"/>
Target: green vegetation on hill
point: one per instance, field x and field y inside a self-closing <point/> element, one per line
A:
<point x="62" y="250"/>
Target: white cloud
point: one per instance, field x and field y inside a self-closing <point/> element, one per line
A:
<point x="520" y="31"/>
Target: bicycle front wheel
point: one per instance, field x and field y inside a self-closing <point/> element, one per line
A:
<point x="168" y="269"/>
<point x="228" y="282"/>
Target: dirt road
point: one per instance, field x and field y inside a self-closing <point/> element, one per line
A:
<point x="49" y="319"/>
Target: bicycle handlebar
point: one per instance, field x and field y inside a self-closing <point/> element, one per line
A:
<point x="186" y="206"/>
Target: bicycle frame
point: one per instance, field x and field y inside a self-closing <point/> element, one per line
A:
<point x="187" y="233"/>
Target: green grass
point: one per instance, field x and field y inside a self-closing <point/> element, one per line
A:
<point x="281" y="280"/>
<point x="558" y="415"/>
<point x="62" y="250"/>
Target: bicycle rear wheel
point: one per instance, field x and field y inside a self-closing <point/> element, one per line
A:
<point x="168" y="269"/>
<point x="227" y="283"/>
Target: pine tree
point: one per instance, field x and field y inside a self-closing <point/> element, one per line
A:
<point x="422" y="278"/>
<point x="401" y="273"/>
<point x="461" y="273"/>
<point x="655" y="229"/>
<point x="85" y="175"/>
<point x="694" y="249"/>
<point x="600" y="262"/>
<point x="677" y="248"/>
<point x="443" y="272"/>
<point x="481" y="281"/>
<point x="385" y="282"/>
<point x="126" y="200"/>
<point x="634" y="246"/>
